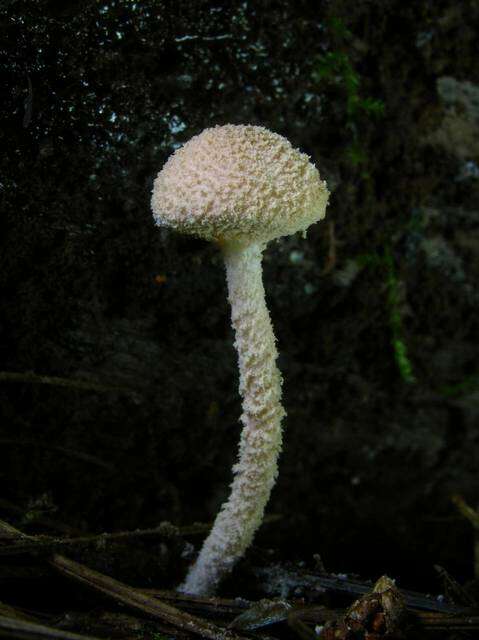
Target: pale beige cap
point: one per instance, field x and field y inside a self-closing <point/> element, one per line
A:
<point x="238" y="183"/>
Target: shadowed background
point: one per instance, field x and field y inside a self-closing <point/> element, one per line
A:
<point x="375" y="311"/>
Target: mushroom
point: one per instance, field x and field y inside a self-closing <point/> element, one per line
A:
<point x="241" y="186"/>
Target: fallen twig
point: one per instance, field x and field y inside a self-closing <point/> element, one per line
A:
<point x="206" y="605"/>
<point x="139" y="600"/>
<point x="14" y="628"/>
<point x="7" y="532"/>
<point x="11" y="612"/>
<point x="443" y="622"/>
<point x="73" y="383"/>
<point x="47" y="545"/>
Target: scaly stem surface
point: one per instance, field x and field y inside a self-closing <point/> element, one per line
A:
<point x="260" y="387"/>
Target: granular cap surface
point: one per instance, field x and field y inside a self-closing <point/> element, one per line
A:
<point x="238" y="182"/>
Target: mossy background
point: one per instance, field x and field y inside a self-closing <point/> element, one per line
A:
<point x="376" y="311"/>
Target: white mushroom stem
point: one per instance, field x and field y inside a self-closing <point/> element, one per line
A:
<point x="260" y="387"/>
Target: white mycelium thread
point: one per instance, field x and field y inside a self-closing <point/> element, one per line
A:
<point x="242" y="186"/>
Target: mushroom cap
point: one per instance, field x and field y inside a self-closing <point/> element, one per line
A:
<point x="238" y="183"/>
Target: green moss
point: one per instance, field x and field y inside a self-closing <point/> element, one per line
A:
<point x="336" y="67"/>
<point x="398" y="342"/>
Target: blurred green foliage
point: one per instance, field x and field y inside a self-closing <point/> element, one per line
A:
<point x="336" y="67"/>
<point x="385" y="262"/>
